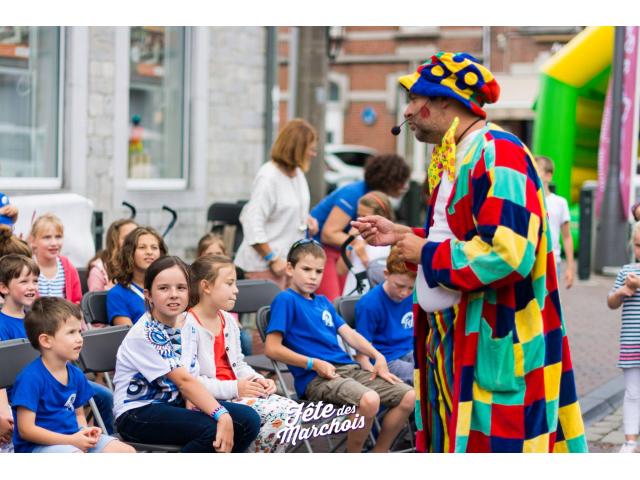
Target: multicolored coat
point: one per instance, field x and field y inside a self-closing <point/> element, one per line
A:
<point x="511" y="384"/>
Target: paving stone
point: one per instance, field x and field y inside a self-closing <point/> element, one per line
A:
<point x="616" y="438"/>
<point x="592" y="437"/>
<point x="599" y="430"/>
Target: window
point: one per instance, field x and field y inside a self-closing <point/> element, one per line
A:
<point x="334" y="92"/>
<point x="158" y="106"/>
<point x="31" y="113"/>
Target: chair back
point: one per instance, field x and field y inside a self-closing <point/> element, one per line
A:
<point x="94" y="307"/>
<point x="101" y="347"/>
<point x="262" y="321"/>
<point x="14" y="356"/>
<point x="346" y="308"/>
<point x="221" y="214"/>
<point x="253" y="294"/>
<point x="83" y="273"/>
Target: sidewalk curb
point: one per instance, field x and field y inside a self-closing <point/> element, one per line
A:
<point x="602" y="401"/>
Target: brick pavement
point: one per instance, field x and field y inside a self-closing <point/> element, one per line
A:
<point x="606" y="435"/>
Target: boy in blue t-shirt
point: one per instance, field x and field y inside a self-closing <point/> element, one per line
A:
<point x="384" y="316"/>
<point x="303" y="333"/>
<point x="48" y="396"/>
<point x="18" y="288"/>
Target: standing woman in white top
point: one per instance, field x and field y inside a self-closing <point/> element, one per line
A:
<point x="277" y="213"/>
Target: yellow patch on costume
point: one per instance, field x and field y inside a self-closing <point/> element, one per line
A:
<point x="476" y="248"/>
<point x="509" y="246"/>
<point x="481" y="395"/>
<point x="571" y="420"/>
<point x="518" y="358"/>
<point x="561" y="447"/>
<point x="539" y="444"/>
<point x="464" y="419"/>
<point x="552" y="374"/>
<point x="528" y="322"/>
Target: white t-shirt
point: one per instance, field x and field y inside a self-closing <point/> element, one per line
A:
<point x="373" y="253"/>
<point x="558" y="211"/>
<point x="147" y="354"/>
<point x="439" y="298"/>
<point x="275" y="213"/>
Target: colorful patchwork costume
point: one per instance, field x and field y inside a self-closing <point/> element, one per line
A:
<point x="493" y="372"/>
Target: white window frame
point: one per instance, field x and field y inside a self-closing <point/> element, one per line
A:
<point x="164" y="184"/>
<point x="192" y="190"/>
<point x="47" y="183"/>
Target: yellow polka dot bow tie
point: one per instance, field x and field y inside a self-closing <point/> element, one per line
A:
<point x="443" y="158"/>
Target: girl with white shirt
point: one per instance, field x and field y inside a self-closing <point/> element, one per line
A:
<point x="223" y="371"/>
<point x="277" y="213"/>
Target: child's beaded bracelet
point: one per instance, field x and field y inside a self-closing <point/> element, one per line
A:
<point x="218" y="412"/>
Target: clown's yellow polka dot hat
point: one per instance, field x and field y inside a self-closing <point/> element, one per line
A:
<point x="455" y="75"/>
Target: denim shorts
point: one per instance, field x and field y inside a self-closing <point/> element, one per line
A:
<point x="103" y="441"/>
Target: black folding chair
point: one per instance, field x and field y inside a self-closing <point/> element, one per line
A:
<point x="99" y="354"/>
<point x="346" y="308"/>
<point x="221" y="214"/>
<point x="252" y="295"/>
<point x="14" y="356"/>
<point x="94" y="308"/>
<point x="83" y="273"/>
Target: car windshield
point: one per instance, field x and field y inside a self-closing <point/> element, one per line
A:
<point x="355" y="159"/>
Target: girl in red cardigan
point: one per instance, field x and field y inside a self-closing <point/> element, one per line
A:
<point x="58" y="277"/>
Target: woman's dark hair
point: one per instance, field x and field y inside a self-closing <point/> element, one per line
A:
<point x="387" y="173"/>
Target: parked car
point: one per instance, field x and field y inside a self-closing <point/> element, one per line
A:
<point x="345" y="164"/>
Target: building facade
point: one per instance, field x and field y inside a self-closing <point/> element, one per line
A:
<point x="148" y="115"/>
<point x="364" y="101"/>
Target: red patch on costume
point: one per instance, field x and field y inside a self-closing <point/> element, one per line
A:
<point x="534" y="380"/>
<point x="507" y="421"/>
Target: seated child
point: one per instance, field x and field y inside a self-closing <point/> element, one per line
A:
<point x="58" y="277"/>
<point x="223" y="370"/>
<point x="156" y="376"/>
<point x="384" y="316"/>
<point x="125" y="301"/>
<point x="19" y="287"/>
<point x="99" y="279"/>
<point x="48" y="396"/>
<point x="212" y="244"/>
<point x="372" y="203"/>
<point x="303" y="333"/>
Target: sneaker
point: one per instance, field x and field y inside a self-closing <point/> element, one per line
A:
<point x="628" y="447"/>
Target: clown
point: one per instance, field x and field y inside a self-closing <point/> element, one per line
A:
<point x="493" y="364"/>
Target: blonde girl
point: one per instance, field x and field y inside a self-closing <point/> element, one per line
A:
<point x="58" y="277"/>
<point x="223" y="370"/>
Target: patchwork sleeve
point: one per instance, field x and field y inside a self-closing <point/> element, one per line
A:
<point x="505" y="197"/>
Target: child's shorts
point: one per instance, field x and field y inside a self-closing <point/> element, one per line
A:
<point x="351" y="385"/>
<point x="103" y="441"/>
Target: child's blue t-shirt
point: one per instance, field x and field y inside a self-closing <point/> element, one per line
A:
<point x="309" y="327"/>
<point x="346" y="198"/>
<point x="124" y="302"/>
<point x="54" y="404"/>
<point x="387" y="324"/>
<point x="11" y="327"/>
